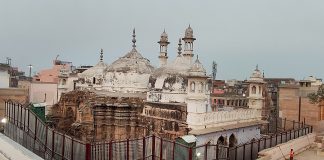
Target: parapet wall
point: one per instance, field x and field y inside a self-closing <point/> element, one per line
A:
<point x="281" y="151"/>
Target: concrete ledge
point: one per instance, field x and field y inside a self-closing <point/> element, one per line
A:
<point x="281" y="151"/>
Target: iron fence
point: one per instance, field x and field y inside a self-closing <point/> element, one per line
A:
<point x="31" y="132"/>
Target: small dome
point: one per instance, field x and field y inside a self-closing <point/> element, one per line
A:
<point x="189" y="32"/>
<point x="164" y="37"/>
<point x="95" y="71"/>
<point x="256" y="75"/>
<point x="197" y="69"/>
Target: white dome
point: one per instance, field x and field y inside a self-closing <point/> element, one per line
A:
<point x="197" y="69"/>
<point x="95" y="71"/>
<point x="133" y="61"/>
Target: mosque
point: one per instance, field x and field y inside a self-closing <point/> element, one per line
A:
<point x="132" y="98"/>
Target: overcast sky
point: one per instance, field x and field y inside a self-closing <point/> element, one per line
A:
<point x="285" y="37"/>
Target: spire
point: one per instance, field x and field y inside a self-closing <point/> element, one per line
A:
<point x="101" y="55"/>
<point x="179" y="48"/>
<point x="134" y="40"/>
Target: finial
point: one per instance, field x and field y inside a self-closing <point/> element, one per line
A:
<point x="197" y="56"/>
<point x="263" y="73"/>
<point x="179" y="48"/>
<point x="164" y="30"/>
<point x="257" y="67"/>
<point x="134" y="40"/>
<point x="101" y="54"/>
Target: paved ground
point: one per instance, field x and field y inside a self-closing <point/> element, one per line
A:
<point x="310" y="154"/>
<point x="10" y="150"/>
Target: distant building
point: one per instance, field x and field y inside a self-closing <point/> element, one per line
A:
<point x="4" y="76"/>
<point x="51" y="75"/>
<point x="295" y="105"/>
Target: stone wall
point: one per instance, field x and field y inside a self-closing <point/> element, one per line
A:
<point x="289" y="107"/>
<point x="214" y="119"/>
<point x="167" y="120"/>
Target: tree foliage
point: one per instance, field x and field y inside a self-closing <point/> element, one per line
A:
<point x="318" y="96"/>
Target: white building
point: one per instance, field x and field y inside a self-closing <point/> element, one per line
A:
<point x="181" y="81"/>
<point x="4" y="76"/>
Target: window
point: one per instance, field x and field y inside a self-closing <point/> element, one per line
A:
<point x="201" y="87"/>
<point x="259" y="89"/>
<point x="192" y="87"/>
<point x="253" y="90"/>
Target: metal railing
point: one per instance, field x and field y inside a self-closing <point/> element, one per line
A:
<point x="28" y="130"/>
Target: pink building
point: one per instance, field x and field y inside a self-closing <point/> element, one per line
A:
<point x="51" y="75"/>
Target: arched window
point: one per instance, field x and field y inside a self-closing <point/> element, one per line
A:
<point x="201" y="87"/>
<point x="63" y="81"/>
<point x="232" y="141"/>
<point x="253" y="90"/>
<point x="192" y="87"/>
<point x="221" y="140"/>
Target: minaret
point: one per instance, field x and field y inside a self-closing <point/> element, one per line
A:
<point x="188" y="46"/>
<point x="179" y="47"/>
<point x="256" y="99"/>
<point x="163" y="49"/>
<point x="101" y="55"/>
<point x="134" y="39"/>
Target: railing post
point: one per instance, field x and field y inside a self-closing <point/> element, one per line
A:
<point x="265" y="143"/>
<point x="63" y="146"/>
<point x="153" y="147"/>
<point x="173" y="150"/>
<point x="88" y="151"/>
<point x="190" y="153"/>
<point x="270" y="141"/>
<point x="217" y="151"/>
<point x="228" y="152"/>
<point x="144" y="144"/>
<point x="285" y="124"/>
<point x="293" y="124"/>
<point x="110" y="150"/>
<point x="127" y="150"/>
<point x="235" y="153"/>
<point x="243" y="151"/>
<point x="161" y="151"/>
<point x="46" y="131"/>
<point x="252" y="149"/>
<point x="206" y="151"/>
<point x="258" y="145"/>
<point x="53" y="143"/>
<point x="72" y="148"/>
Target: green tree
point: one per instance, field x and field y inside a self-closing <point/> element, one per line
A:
<point x="318" y="96"/>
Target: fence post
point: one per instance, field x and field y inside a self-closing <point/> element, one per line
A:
<point x="217" y="150"/>
<point x="258" y="145"/>
<point x="270" y="141"/>
<point x="265" y="143"/>
<point x="244" y="151"/>
<point x="88" y="151"/>
<point x="285" y="124"/>
<point x="173" y="150"/>
<point x="190" y="153"/>
<point x="144" y="144"/>
<point x="53" y="138"/>
<point x="110" y="150"/>
<point x="228" y="152"/>
<point x="235" y="153"/>
<point x="161" y="151"/>
<point x="72" y="148"/>
<point x="252" y="149"/>
<point x="293" y="124"/>
<point x="127" y="149"/>
<point x="153" y="147"/>
<point x="45" y="147"/>
<point x="206" y="151"/>
<point x="63" y="146"/>
<point x="35" y="133"/>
